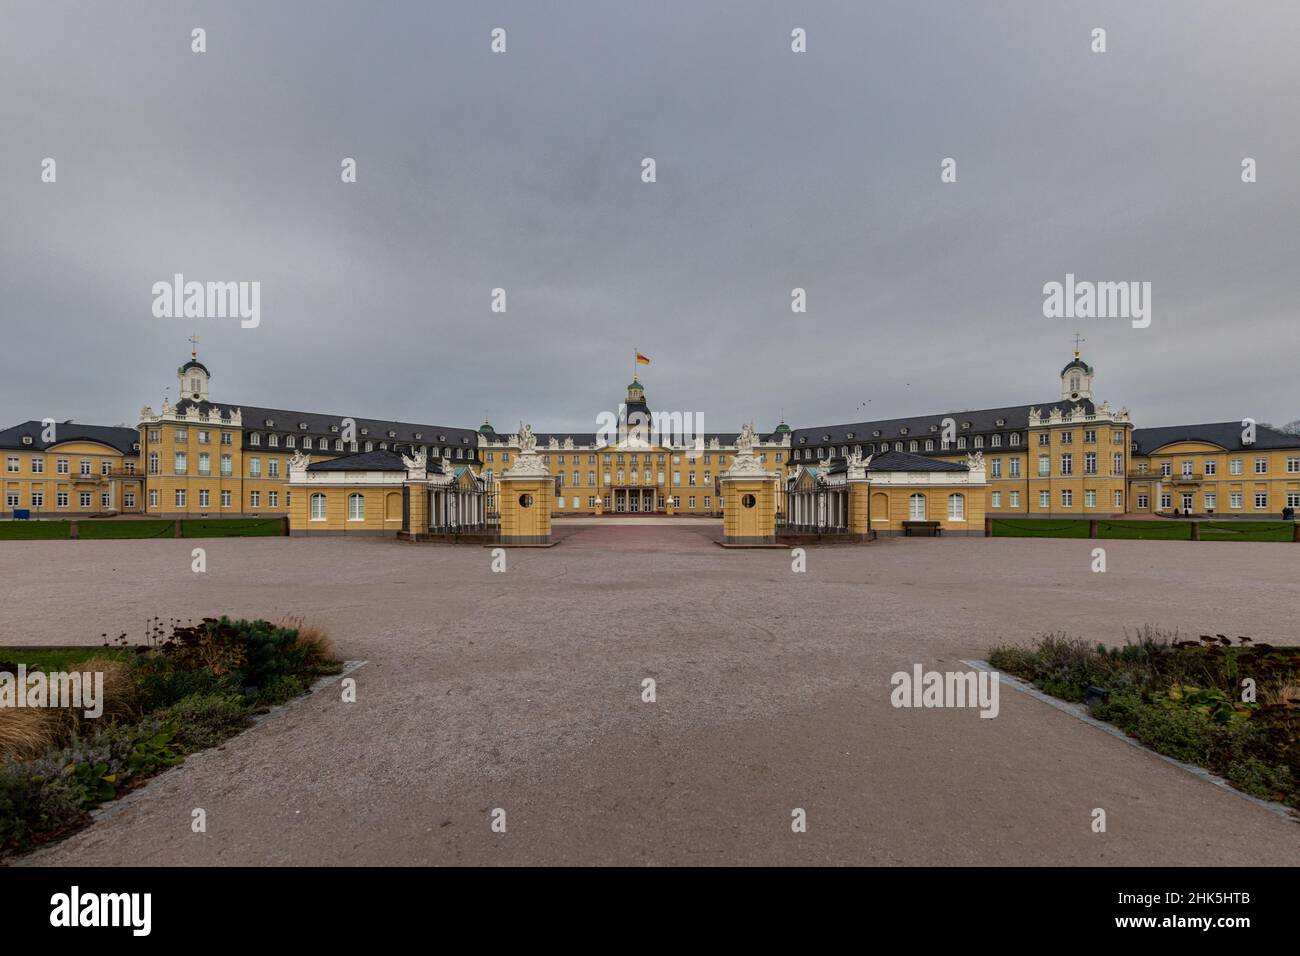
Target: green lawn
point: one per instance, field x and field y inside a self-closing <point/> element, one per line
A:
<point x="1146" y="530"/>
<point x="63" y="658"/>
<point x="1247" y="531"/>
<point x="102" y="529"/>
<point x="33" y="530"/>
<point x="231" y="528"/>
<point x="1036" y="528"/>
<point x="109" y="528"/>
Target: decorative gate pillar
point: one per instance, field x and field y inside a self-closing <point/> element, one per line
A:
<point x="859" y="494"/>
<point x="748" y="496"/>
<point x="527" y="489"/>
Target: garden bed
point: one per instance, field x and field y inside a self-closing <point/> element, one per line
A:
<point x="1184" y="699"/>
<point x="187" y="688"/>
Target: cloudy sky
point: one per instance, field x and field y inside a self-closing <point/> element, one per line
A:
<point x="775" y="170"/>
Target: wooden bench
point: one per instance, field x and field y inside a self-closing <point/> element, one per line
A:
<point x="921" y="529"/>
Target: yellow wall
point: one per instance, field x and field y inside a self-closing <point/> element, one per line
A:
<point x="1279" y="481"/>
<point x="382" y="510"/>
<point x="755" y="524"/>
<point x="40" y="491"/>
<point x="526" y="525"/>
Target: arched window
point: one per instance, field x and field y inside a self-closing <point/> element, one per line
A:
<point x="317" y="507"/>
<point x="929" y="444"/>
<point x="898" y="446"/>
<point x="996" y="441"/>
<point x="916" y="507"/>
<point x="961" y="441"/>
<point x="1015" y="439"/>
<point x="956" y="508"/>
<point x="356" y="507"/>
<point x="912" y="446"/>
<point x="979" y="441"/>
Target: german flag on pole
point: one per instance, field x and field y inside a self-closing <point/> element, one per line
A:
<point x="641" y="359"/>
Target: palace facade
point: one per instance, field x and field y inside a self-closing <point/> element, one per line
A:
<point x="1065" y="456"/>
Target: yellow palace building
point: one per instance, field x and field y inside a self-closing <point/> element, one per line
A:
<point x="1067" y="455"/>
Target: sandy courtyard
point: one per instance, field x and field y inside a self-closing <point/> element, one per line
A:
<point x="522" y="691"/>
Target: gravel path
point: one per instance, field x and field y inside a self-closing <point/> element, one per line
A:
<point x="521" y="691"/>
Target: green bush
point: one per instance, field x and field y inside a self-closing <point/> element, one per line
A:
<point x="206" y="720"/>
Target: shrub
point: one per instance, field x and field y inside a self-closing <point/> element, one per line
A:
<point x="206" y="720"/>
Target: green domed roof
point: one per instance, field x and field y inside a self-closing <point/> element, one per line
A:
<point x="636" y="384"/>
<point x="486" y="427"/>
<point x="782" y="427"/>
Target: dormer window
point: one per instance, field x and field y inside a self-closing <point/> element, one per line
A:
<point x="255" y="439"/>
<point x="27" y="439"/>
<point x="849" y="435"/>
<point x="302" y="426"/>
<point x="876" y="433"/>
<point x="934" y="428"/>
<point x="803" y="441"/>
<point x="365" y="431"/>
<point x="269" y="423"/>
<point x="1001" y="422"/>
<point x="334" y="429"/>
<point x="418" y="436"/>
<point x="392" y="434"/>
<point x="965" y="425"/>
<point x="902" y="431"/>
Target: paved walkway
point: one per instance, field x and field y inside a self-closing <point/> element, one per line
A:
<point x="522" y="691"/>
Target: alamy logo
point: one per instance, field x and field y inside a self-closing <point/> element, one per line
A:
<point x="1098" y="300"/>
<point x="663" y="429"/>
<point x="55" y="689"/>
<point x="103" y="909"/>
<point x="923" y="688"/>
<point x="179" y="299"/>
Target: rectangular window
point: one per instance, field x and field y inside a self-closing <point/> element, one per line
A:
<point x="1187" y="468"/>
<point x="996" y="471"/>
<point x="995" y="499"/>
<point x="1166" y="501"/>
<point x="1089" y="498"/>
<point x="1234" y="466"/>
<point x="1090" y="463"/>
<point x="153" y="497"/>
<point x="61" y="467"/>
<point x="11" y="464"/>
<point x="273" y="467"/>
<point x="254" y="468"/>
<point x="1261" y="499"/>
<point x="182" y="435"/>
<point x="1067" y="498"/>
<point x="1013" y="499"/>
<point x="1045" y="500"/>
<point x="38" y="499"/>
<point x="205" y="496"/>
<point x="181" y="463"/>
<point x="1014" y="466"/>
<point x="1211" y="466"/>
<point x="38" y="466"/>
<point x="255" y="499"/>
<point x="226" y="467"/>
<point x="128" y="500"/>
<point x="85" y="468"/>
<point x="1044" y="466"/>
<point x="180" y="498"/>
<point x="1117" y="463"/>
<point x="205" y="463"/>
<point x="1261" y="466"/>
<point x="105" y="500"/>
<point x="1090" y="436"/>
<point x="1234" y="501"/>
<point x="1293" y="499"/>
<point x="1211" y="501"/>
<point x="1119" y="501"/>
<point x="317" y="507"/>
<point x="1166" y="468"/>
<point x="707" y="502"/>
<point x="225" y="499"/>
<point x="60" y="499"/>
<point x="1067" y="464"/>
<point x="1142" y="502"/>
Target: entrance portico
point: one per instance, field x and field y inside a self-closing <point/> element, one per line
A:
<point x="634" y="500"/>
